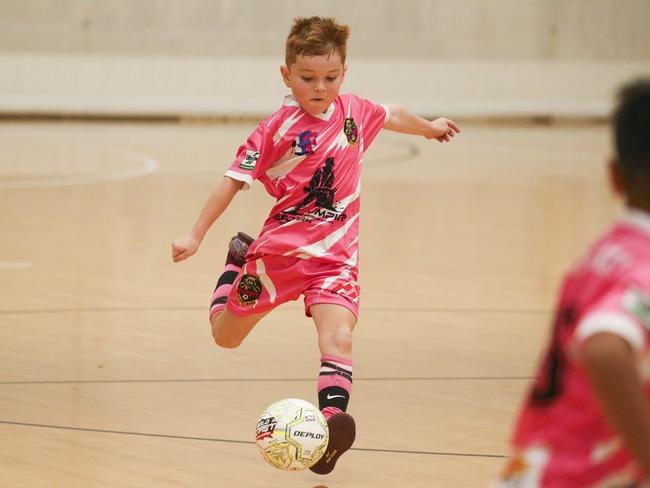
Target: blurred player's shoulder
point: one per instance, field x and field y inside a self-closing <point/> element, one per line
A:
<point x="624" y="249"/>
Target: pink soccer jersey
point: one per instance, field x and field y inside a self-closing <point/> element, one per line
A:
<point x="562" y="439"/>
<point x="312" y="166"/>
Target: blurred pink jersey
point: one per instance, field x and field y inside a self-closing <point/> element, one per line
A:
<point x="562" y="439"/>
<point x="312" y="166"/>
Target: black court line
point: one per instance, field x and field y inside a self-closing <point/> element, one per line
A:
<point x="195" y="309"/>
<point x="266" y="380"/>
<point x="234" y="441"/>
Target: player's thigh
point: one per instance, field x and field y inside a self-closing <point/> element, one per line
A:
<point x="229" y="329"/>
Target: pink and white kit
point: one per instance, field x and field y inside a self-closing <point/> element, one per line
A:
<point x="312" y="166"/>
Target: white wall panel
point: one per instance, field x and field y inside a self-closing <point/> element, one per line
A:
<point x="471" y="57"/>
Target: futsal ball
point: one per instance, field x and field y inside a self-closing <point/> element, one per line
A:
<point x="292" y="434"/>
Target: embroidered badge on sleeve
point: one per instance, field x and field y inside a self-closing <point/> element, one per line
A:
<point x="637" y="304"/>
<point x="250" y="160"/>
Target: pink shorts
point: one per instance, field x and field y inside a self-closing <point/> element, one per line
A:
<point x="268" y="281"/>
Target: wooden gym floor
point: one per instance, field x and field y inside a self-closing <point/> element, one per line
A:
<point x="109" y="377"/>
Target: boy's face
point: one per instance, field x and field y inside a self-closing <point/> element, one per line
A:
<point x="315" y="81"/>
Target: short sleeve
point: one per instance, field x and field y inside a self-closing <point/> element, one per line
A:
<point x="252" y="157"/>
<point x="375" y="116"/>
<point x="624" y="312"/>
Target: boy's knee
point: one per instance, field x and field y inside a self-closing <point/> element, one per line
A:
<point x="341" y="341"/>
<point x="224" y="340"/>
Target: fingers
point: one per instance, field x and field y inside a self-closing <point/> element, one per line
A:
<point x="179" y="253"/>
<point x="450" y="129"/>
<point x="453" y="125"/>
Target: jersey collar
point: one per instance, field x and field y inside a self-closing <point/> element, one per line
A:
<point x="290" y="101"/>
<point x="637" y="218"/>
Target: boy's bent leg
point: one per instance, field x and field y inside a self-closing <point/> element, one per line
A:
<point x="229" y="330"/>
<point x="235" y="259"/>
<point x="335" y="324"/>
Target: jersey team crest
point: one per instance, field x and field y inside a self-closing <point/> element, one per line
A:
<point x="350" y="130"/>
<point x="249" y="289"/>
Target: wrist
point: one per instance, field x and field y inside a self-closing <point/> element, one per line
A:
<point x="429" y="130"/>
<point x="197" y="235"/>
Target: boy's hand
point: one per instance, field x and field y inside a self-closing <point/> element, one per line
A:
<point x="442" y="129"/>
<point x="184" y="248"/>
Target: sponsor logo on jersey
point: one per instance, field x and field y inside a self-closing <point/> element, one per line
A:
<point x="350" y="130"/>
<point x="320" y="197"/>
<point x="250" y="160"/>
<point x="249" y="289"/>
<point x="303" y="144"/>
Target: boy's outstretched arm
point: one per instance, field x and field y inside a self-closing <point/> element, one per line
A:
<point x="402" y="120"/>
<point x="609" y="361"/>
<point x="217" y="202"/>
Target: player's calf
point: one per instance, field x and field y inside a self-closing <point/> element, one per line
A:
<point x="235" y="259"/>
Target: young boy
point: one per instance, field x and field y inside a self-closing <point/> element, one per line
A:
<point x="308" y="155"/>
<point x="586" y="421"/>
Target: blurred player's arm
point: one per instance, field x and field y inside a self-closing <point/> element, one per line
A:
<point x="612" y="370"/>
<point x="402" y="120"/>
<point x="217" y="202"/>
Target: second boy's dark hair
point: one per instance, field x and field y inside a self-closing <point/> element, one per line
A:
<point x="632" y="136"/>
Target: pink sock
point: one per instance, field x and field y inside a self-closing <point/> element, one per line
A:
<point x="334" y="385"/>
<point x="222" y="290"/>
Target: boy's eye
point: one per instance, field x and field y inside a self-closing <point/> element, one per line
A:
<point x="307" y="78"/>
<point x="331" y="78"/>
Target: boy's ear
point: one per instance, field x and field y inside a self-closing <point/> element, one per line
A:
<point x="284" y="71"/>
<point x="345" y="70"/>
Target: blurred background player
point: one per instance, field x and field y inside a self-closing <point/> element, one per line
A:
<point x="308" y="155"/>
<point x="586" y="421"/>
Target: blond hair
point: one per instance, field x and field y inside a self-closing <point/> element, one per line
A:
<point x="316" y="36"/>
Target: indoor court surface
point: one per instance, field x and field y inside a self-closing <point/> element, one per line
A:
<point x="110" y="377"/>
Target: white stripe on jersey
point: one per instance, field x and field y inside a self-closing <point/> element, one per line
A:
<point x="329" y="281"/>
<point x="341" y="142"/>
<point x="343" y="204"/>
<point x="287" y="124"/>
<point x="266" y="281"/>
<point x="285" y="165"/>
<point x="321" y="248"/>
<point x="353" y="260"/>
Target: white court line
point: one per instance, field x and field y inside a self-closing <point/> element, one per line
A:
<point x="15" y="265"/>
<point x="147" y="164"/>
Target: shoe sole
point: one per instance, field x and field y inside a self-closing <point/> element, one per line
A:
<point x="342" y="434"/>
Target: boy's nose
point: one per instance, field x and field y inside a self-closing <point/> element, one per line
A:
<point x="320" y="86"/>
